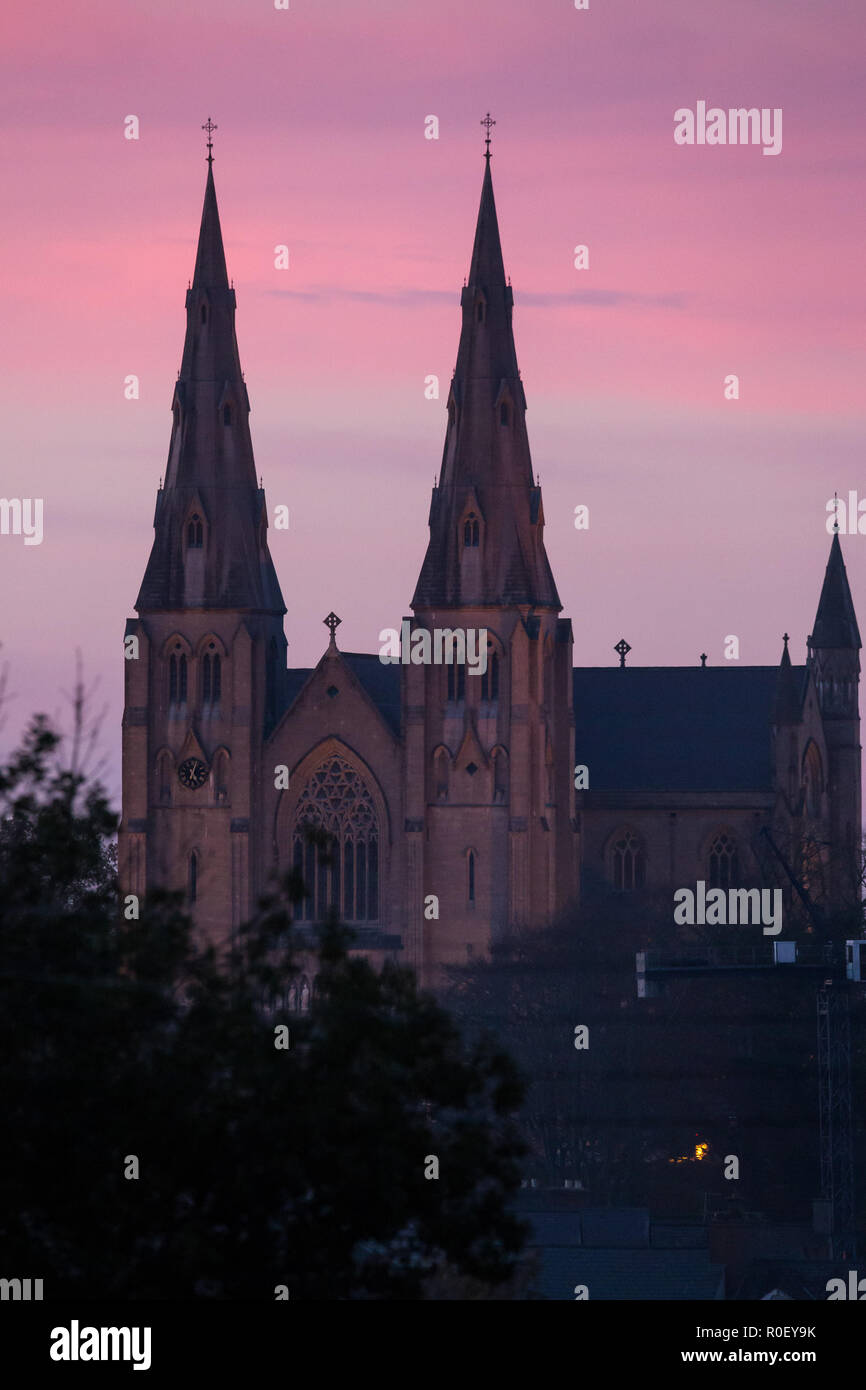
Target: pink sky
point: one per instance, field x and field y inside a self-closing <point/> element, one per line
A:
<point x="707" y="517"/>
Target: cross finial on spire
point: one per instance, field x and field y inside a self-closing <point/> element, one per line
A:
<point x="332" y="622"/>
<point x="623" y="648"/>
<point x="703" y="660"/>
<point x="786" y="639"/>
<point x="835" y="511"/>
<point x="488" y="122"/>
<point x="210" y="128"/>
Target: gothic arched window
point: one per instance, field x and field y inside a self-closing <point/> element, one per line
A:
<point x="211" y="678"/>
<point x="504" y="415"/>
<point x="204" y="313"/>
<point x="164" y="770"/>
<point x="457" y="683"/>
<point x="177" y="679"/>
<point x="814" y="781"/>
<point x="194" y="534"/>
<point x="227" y="414"/>
<point x="193" y="877"/>
<point x="340" y="868"/>
<point x="490" y="678"/>
<point x="629" y="863"/>
<point x="470" y="530"/>
<point x="723" y="868"/>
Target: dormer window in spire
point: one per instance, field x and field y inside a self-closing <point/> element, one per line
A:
<point x="504" y="414"/>
<point x="204" y="313"/>
<point x="480" y="310"/>
<point x="194" y="532"/>
<point x="227" y="414"/>
<point x="470" y="530"/>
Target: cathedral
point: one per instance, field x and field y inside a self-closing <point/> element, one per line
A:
<point x="459" y="805"/>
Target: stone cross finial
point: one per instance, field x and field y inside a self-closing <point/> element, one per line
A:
<point x="210" y="128"/>
<point x="623" y="648"/>
<point x="332" y="622"/>
<point x="488" y="122"/>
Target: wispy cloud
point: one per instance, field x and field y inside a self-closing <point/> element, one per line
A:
<point x="403" y="298"/>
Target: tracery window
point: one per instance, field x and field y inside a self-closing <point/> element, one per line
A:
<point x="629" y="864"/>
<point x="194" y="533"/>
<point x="470" y="530"/>
<point x="723" y="866"/>
<point x="343" y="872"/>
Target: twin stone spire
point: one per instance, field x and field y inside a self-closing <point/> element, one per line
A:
<point x="486" y="544"/>
<point x="210" y="547"/>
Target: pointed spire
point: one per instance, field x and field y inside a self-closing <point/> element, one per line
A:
<point x="210" y="547"/>
<point x="786" y="708"/>
<point x="486" y="479"/>
<point x="210" y="262"/>
<point x="835" y="621"/>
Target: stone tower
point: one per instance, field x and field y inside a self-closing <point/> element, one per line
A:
<point x="834" y="653"/>
<point x="207" y="679"/>
<point x="489" y="757"/>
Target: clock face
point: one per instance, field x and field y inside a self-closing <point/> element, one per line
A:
<point x="192" y="773"/>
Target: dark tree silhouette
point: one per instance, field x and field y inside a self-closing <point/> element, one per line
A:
<point x="258" y="1165"/>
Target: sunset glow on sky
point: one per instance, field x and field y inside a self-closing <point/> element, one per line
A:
<point x="707" y="516"/>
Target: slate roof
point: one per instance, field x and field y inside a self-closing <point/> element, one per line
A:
<point x="609" y="1251"/>
<point x="641" y="728"/>
<point x="628" y="1274"/>
<point x="676" y="728"/>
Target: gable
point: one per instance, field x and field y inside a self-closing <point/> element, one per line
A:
<point x="379" y="681"/>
